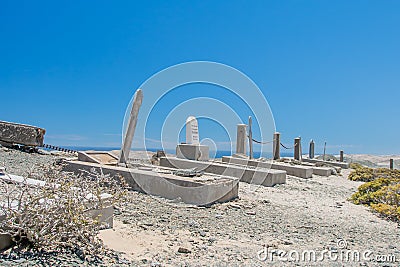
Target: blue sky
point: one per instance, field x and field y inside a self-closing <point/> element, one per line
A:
<point x="329" y="69"/>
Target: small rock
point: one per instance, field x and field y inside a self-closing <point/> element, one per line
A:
<point x="184" y="250"/>
<point x="235" y="206"/>
<point x="251" y="212"/>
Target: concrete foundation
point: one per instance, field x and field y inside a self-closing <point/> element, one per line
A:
<point x="295" y="170"/>
<point x="249" y="175"/>
<point x="343" y="165"/>
<point x="193" y="152"/>
<point x="201" y="191"/>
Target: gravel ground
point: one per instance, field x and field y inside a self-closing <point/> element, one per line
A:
<point x="303" y="214"/>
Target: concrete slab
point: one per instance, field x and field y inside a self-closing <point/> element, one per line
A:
<point x="322" y="171"/>
<point x="245" y="174"/>
<point x="343" y="165"/>
<point x="201" y="191"/>
<point x="295" y="170"/>
<point x="100" y="157"/>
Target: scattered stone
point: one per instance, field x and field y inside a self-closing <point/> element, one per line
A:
<point x="184" y="250"/>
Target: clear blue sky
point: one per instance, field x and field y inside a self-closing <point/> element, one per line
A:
<point x="330" y="70"/>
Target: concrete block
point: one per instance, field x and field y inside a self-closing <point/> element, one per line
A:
<point x="322" y="171"/>
<point x="193" y="152"/>
<point x="201" y="191"/>
<point x="343" y="165"/>
<point x="248" y="175"/>
<point x="15" y="133"/>
<point x="295" y="170"/>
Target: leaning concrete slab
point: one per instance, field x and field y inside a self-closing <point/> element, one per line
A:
<point x="100" y="157"/>
<point x="245" y="174"/>
<point x="157" y="181"/>
<point x="343" y="165"/>
<point x="295" y="170"/>
<point x="15" y="133"/>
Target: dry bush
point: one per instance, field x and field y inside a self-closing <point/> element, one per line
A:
<point x="56" y="215"/>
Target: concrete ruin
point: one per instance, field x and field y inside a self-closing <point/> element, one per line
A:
<point x="153" y="180"/>
<point x="245" y="174"/>
<point x="20" y="134"/>
<point x="205" y="189"/>
<point x="192" y="149"/>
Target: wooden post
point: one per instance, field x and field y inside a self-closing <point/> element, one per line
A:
<point x="130" y="131"/>
<point x="341" y="156"/>
<point x="311" y="150"/>
<point x="324" y="152"/>
<point x="276" y="146"/>
<point x="250" y="138"/>
<point x="297" y="148"/>
<point x="391" y="164"/>
<point x="241" y="139"/>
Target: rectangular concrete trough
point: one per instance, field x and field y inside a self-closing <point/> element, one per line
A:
<point x="343" y="165"/>
<point x="201" y="191"/>
<point x="295" y="170"/>
<point x="245" y="174"/>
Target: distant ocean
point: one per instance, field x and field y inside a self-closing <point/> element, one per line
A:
<point x="213" y="154"/>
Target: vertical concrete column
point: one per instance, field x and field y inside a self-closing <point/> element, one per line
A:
<point x="297" y="148"/>
<point x="241" y="139"/>
<point x="250" y="138"/>
<point x="276" y="146"/>
<point x="391" y="164"/>
<point x="311" y="150"/>
<point x="130" y="131"/>
<point x="341" y="156"/>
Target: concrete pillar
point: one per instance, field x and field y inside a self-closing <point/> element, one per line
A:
<point x="276" y="146"/>
<point x="130" y="131"/>
<point x="341" y="156"/>
<point x="311" y="150"/>
<point x="241" y="139"/>
<point x="391" y="164"/>
<point x="297" y="148"/>
<point x="250" y="138"/>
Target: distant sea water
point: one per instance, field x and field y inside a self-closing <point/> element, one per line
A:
<point x="213" y="154"/>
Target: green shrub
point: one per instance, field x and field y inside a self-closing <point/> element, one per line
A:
<point x="381" y="191"/>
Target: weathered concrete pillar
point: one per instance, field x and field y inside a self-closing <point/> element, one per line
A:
<point x="250" y="138"/>
<point x="192" y="131"/>
<point x="241" y="139"/>
<point x="341" y="159"/>
<point x="130" y="131"/>
<point x="276" y="146"/>
<point x="391" y="164"/>
<point x="297" y="148"/>
<point x="311" y="150"/>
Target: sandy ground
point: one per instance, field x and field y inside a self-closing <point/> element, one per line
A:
<point x="300" y="216"/>
<point x="304" y="214"/>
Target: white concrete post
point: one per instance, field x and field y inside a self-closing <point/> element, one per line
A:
<point x="276" y="146"/>
<point x="241" y="139"/>
<point x="297" y="148"/>
<point x="130" y="131"/>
